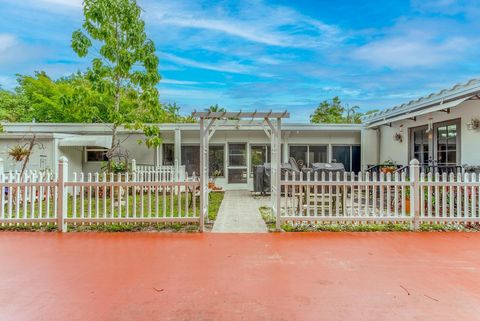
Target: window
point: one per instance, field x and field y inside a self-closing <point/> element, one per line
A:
<point x="168" y="154"/>
<point x="300" y="153"/>
<point x="190" y="156"/>
<point x="216" y="161"/>
<point x="349" y="156"/>
<point x="237" y="155"/>
<point x="237" y="163"/>
<point x="317" y="154"/>
<point x="259" y="154"/>
<point x="306" y="155"/>
<point x="96" y="154"/>
<point x="446" y="144"/>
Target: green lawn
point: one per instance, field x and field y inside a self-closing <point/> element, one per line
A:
<point x="151" y="207"/>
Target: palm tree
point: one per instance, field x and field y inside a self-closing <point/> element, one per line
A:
<point x="215" y="109"/>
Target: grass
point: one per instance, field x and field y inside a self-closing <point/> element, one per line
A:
<point x="216" y="199"/>
<point x="214" y="205"/>
<point x="270" y="220"/>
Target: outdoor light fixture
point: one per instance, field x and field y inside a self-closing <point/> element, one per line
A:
<point x="473" y="124"/>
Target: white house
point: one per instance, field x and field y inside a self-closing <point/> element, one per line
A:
<point x="234" y="148"/>
<point x="440" y="130"/>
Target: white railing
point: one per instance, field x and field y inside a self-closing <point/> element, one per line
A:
<point x="96" y="198"/>
<point x="161" y="173"/>
<point x="366" y="197"/>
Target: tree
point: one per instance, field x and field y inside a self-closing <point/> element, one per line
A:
<point x="328" y="112"/>
<point x="14" y="107"/>
<point x="215" y="109"/>
<point x="335" y="112"/>
<point x="126" y="63"/>
<point x="69" y="99"/>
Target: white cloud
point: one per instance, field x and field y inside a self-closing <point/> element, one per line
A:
<point x="7" y="41"/>
<point x="415" y="43"/>
<point x="401" y="52"/>
<point x="12" y="51"/>
<point x="253" y="21"/>
<point x="231" y="67"/>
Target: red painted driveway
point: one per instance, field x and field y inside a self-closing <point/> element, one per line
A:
<point x="160" y="276"/>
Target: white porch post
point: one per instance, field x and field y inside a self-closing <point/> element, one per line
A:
<point x="285" y="147"/>
<point x="202" y="175"/>
<point x="276" y="164"/>
<point x="177" y="149"/>
<point x="278" y="174"/>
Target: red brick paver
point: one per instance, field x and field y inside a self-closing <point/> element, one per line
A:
<point x="159" y="276"/>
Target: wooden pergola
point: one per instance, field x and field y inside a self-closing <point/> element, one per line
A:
<point x="271" y="123"/>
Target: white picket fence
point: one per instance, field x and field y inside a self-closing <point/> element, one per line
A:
<point x="381" y="198"/>
<point x="159" y="172"/>
<point x="42" y="197"/>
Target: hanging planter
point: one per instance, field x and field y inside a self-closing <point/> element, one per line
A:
<point x="18" y="153"/>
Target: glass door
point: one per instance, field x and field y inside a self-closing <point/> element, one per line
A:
<point x="447" y="144"/>
<point x="419" y="147"/>
<point x="237" y="163"/>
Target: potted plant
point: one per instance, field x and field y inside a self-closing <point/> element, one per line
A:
<point x="388" y="167"/>
<point x="211" y="183"/>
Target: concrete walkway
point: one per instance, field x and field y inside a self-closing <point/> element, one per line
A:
<point x="239" y="214"/>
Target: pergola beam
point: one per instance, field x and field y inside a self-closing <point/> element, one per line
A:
<point x="255" y="114"/>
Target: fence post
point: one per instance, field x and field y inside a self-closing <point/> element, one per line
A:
<point x="134" y="165"/>
<point x="415" y="192"/>
<point x="62" y="194"/>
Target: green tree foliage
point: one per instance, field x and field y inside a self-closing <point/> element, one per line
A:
<point x="126" y="64"/>
<point x="69" y="99"/>
<point x="14" y="107"/>
<point x="334" y="112"/>
<point x="66" y="100"/>
<point x="215" y="109"/>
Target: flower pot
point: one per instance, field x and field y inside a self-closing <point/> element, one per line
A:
<point x="407" y="205"/>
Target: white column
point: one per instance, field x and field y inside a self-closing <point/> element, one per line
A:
<point x="278" y="173"/>
<point x="177" y="150"/>
<point x="203" y="180"/>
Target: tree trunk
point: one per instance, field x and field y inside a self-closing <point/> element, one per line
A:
<point x="114" y="144"/>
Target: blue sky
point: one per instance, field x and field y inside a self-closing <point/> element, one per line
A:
<point x="278" y="55"/>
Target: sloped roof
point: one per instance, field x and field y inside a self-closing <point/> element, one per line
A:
<point x="470" y="88"/>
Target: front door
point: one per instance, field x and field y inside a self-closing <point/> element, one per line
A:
<point x="237" y="163"/>
<point x="419" y="147"/>
<point x="447" y="151"/>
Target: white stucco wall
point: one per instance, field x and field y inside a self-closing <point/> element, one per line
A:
<point x="470" y="139"/>
<point x="75" y="158"/>
<point x="43" y="149"/>
<point x="370" y="147"/>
